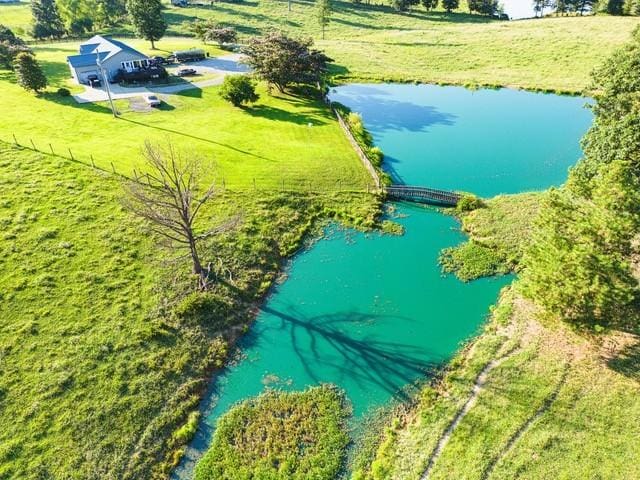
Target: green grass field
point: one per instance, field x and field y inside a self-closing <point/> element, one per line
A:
<point x="101" y="359"/>
<point x="283" y="138"/>
<point x="375" y="43"/>
<point x="101" y="366"/>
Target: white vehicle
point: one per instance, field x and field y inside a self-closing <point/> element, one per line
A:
<point x="152" y="100"/>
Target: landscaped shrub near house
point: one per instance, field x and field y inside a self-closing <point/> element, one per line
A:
<point x="280" y="436"/>
<point x="64" y="92"/>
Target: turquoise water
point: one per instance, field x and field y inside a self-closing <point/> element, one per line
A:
<point x="373" y="313"/>
<point x="485" y="141"/>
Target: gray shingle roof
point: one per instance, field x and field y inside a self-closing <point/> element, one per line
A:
<point x="107" y="47"/>
<point x="85" y="60"/>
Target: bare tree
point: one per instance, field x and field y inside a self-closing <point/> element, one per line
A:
<point x="171" y="201"/>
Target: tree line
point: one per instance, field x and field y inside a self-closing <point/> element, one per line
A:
<point x="580" y="266"/>
<point x="57" y="18"/>
<point x="582" y="7"/>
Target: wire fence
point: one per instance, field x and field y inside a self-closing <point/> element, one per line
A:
<point x="255" y="183"/>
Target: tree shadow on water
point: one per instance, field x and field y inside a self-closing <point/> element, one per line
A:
<point x="383" y="113"/>
<point x="325" y="341"/>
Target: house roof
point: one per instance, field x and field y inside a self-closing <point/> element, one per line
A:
<point x="86" y="60"/>
<point x="105" y="46"/>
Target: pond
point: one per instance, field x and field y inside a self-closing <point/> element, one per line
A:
<point x="372" y="313"/>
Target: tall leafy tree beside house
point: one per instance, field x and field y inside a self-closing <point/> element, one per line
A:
<point x="29" y="73"/>
<point x="146" y="16"/>
<point x="281" y="60"/>
<point x="10" y="47"/>
<point x="46" y="19"/>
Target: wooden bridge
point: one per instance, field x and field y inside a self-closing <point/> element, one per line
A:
<point x="423" y="195"/>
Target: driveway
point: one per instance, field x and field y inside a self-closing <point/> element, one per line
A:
<point x="219" y="66"/>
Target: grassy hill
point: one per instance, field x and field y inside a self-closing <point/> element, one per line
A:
<point x="372" y="42"/>
<point x="102" y="356"/>
<point x="282" y="138"/>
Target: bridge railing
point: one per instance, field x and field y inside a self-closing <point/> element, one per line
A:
<point x="429" y="195"/>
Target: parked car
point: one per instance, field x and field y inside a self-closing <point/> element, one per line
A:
<point x="93" y="80"/>
<point x="157" y="60"/>
<point x="152" y="100"/>
<point x="185" y="72"/>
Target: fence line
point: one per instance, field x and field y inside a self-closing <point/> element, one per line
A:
<point x="363" y="157"/>
<point x="254" y="184"/>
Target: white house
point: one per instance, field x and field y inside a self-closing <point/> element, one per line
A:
<point x="113" y="54"/>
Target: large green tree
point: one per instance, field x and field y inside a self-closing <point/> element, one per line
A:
<point x="147" y="19"/>
<point x="10" y="47"/>
<point x="29" y="73"/>
<point x="281" y="60"/>
<point x="46" y="19"/>
<point x="109" y="12"/>
<point x="430" y="4"/>
<point x="450" y="5"/>
<point x="579" y="264"/>
<point x="483" y="7"/>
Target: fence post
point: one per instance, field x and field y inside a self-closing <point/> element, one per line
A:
<point x="224" y="185"/>
<point x="135" y="174"/>
<point x="33" y="144"/>
<point x="254" y="184"/>
<point x="51" y="148"/>
<point x="283" y="184"/>
<point x="15" y="139"/>
<point x="93" y="163"/>
<point x="148" y="179"/>
<point x="112" y="167"/>
<point x="71" y="154"/>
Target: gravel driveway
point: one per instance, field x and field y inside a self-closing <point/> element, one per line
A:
<point x="221" y="66"/>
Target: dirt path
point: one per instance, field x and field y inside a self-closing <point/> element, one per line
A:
<point x="478" y="386"/>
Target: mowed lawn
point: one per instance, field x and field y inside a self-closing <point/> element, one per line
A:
<point x="375" y="43"/>
<point x="283" y="141"/>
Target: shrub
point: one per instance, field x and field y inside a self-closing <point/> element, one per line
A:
<point x="204" y="308"/>
<point x="29" y="73"/>
<point x="469" y="202"/>
<point x="238" y="89"/>
<point x="471" y="260"/>
<point x="184" y="434"/>
<point x="280" y="435"/>
<point x="64" y="92"/>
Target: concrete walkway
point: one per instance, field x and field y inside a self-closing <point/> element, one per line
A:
<point x="220" y="66"/>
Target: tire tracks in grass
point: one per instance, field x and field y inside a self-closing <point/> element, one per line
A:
<point x="478" y="387"/>
<point x="546" y="404"/>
